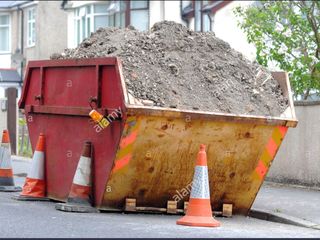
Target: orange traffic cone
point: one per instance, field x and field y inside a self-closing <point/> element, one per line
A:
<point x="199" y="213"/>
<point x="79" y="196"/>
<point x="6" y="174"/>
<point x="35" y="186"/>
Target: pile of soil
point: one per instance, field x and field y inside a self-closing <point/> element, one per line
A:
<point x="171" y="66"/>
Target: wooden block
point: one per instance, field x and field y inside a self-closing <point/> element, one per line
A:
<point x="185" y="206"/>
<point x="151" y="209"/>
<point x="172" y="207"/>
<point x="227" y="210"/>
<point x="130" y="205"/>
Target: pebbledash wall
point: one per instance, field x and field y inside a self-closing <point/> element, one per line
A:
<point x="298" y="159"/>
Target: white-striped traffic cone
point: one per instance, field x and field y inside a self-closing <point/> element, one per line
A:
<point x="79" y="199"/>
<point x="6" y="173"/>
<point x="35" y="186"/>
<point x="199" y="212"/>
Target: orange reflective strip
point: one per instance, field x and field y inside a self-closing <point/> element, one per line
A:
<point x="34" y="188"/>
<point x="270" y="150"/>
<point x="272" y="147"/>
<point x="122" y="162"/>
<point x="6" y="172"/>
<point x="79" y="191"/>
<point x="261" y="169"/>
<point x="283" y="130"/>
<point x="124" y="153"/>
<point x="129" y="139"/>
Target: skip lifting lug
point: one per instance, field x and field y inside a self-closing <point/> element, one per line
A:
<point x="93" y="100"/>
<point x="38" y="97"/>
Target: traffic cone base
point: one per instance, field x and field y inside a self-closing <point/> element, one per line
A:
<point x="198" y="221"/>
<point x="28" y="198"/>
<point x="79" y="192"/>
<point x="198" y="212"/>
<point x="32" y="191"/>
<point x="34" y="188"/>
<point x="79" y="197"/>
<point x="6" y="173"/>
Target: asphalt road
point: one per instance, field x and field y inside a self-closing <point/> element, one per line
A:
<point x="40" y="219"/>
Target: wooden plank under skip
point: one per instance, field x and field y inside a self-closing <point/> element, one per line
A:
<point x="185" y="207"/>
<point x="172" y="207"/>
<point x="227" y="210"/>
<point x="130" y="205"/>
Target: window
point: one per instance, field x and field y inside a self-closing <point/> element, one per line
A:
<point x="110" y="14"/>
<point x="4" y="33"/>
<point x="139" y="15"/>
<point x="101" y="18"/>
<point x="91" y="17"/>
<point x="31" y="27"/>
<point x="116" y="12"/>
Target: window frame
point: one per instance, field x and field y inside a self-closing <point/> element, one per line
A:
<point x="9" y="32"/>
<point x="30" y="42"/>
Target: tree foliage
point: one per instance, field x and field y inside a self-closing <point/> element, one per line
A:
<point x="288" y="34"/>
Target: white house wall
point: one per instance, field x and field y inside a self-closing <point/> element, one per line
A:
<point x="164" y="10"/>
<point x="71" y="30"/>
<point x="172" y="11"/>
<point x="5" y="61"/>
<point x="155" y="12"/>
<point x="225" y="27"/>
<point x="76" y="4"/>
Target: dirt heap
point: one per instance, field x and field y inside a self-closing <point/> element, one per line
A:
<point x="178" y="68"/>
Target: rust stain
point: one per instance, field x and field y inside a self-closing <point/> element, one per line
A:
<point x="164" y="127"/>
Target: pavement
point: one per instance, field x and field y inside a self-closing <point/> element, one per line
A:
<point x="296" y="203"/>
<point x="40" y="219"/>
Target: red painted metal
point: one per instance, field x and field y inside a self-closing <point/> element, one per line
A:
<point x="56" y="98"/>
